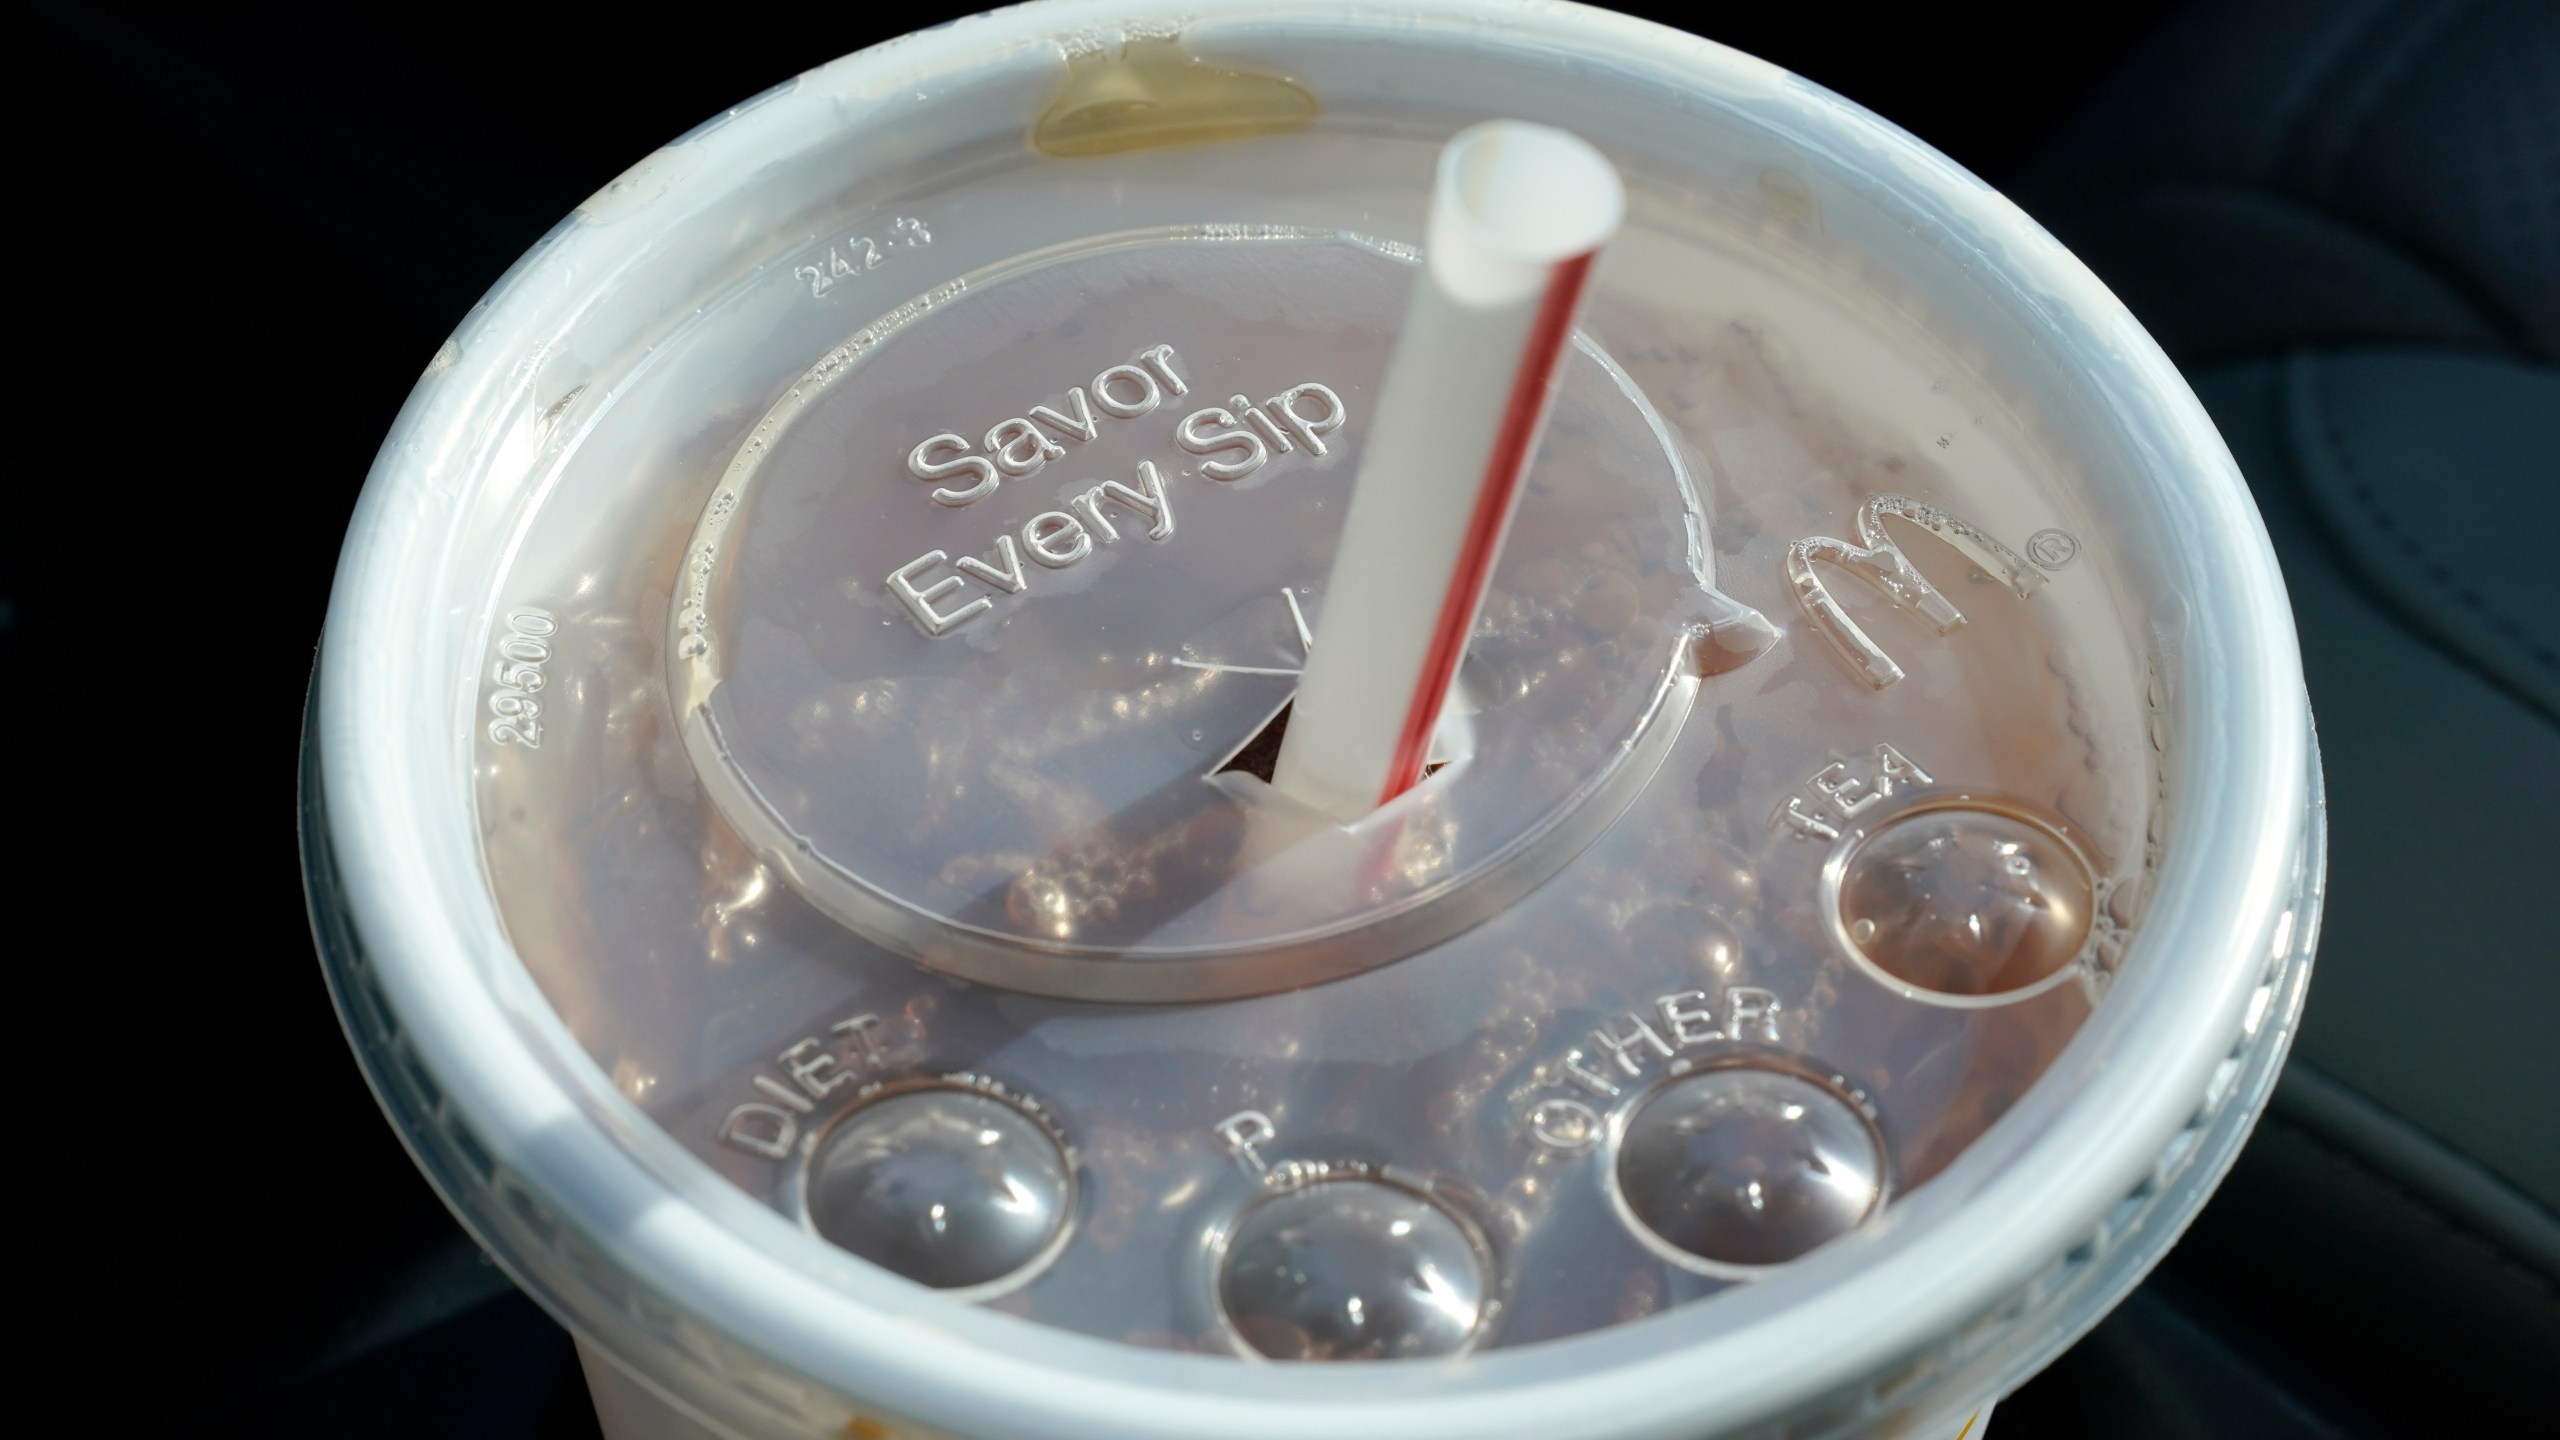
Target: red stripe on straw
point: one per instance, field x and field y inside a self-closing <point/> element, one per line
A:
<point x="1502" y="472"/>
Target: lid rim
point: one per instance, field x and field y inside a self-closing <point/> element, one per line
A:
<point x="415" y="897"/>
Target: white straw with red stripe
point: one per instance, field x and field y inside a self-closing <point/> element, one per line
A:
<point x="1518" y="213"/>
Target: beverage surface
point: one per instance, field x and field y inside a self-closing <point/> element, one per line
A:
<point x="862" y="709"/>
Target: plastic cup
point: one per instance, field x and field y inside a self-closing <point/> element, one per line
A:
<point x="856" y="1009"/>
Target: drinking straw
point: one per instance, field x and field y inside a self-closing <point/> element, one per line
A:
<point x="1518" y="213"/>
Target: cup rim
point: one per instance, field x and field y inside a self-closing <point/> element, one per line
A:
<point x="510" y="1076"/>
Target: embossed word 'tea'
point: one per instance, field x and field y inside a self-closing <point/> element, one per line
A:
<point x="1835" y="794"/>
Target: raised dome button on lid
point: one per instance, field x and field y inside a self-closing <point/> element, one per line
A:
<point x="1745" y="1166"/>
<point x="950" y="1187"/>
<point x="1353" y="1269"/>
<point x="1967" y="900"/>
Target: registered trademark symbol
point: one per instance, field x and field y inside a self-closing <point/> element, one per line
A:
<point x="2052" y="549"/>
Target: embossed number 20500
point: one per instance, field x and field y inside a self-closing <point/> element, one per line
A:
<point x="522" y="651"/>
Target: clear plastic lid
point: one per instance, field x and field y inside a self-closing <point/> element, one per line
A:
<point x="868" y="552"/>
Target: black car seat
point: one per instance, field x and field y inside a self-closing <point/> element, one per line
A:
<point x="2342" y="219"/>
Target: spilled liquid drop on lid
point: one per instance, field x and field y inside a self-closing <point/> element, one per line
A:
<point x="1152" y="96"/>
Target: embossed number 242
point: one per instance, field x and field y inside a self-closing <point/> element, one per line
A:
<point x="860" y="253"/>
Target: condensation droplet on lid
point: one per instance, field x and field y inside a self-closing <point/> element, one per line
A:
<point x="1152" y="96"/>
<point x="631" y="191"/>
<point x="1689" y="938"/>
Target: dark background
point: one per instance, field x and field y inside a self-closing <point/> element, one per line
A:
<point x="242" y="231"/>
